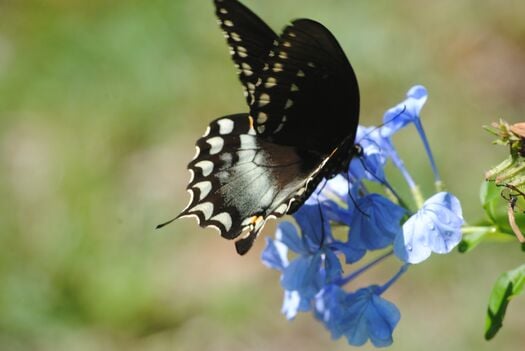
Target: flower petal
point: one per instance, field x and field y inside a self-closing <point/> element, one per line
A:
<point x="275" y="254"/>
<point x="369" y="166"/>
<point x="412" y="246"/>
<point x="291" y="304"/>
<point x="377" y="223"/>
<point x="375" y="148"/>
<point x="333" y="269"/>
<point x="303" y="275"/>
<point x="334" y="198"/>
<point x="383" y="316"/>
<point x="352" y="254"/>
<point x="334" y="189"/>
<point x="436" y="227"/>
<point x="315" y="228"/>
<point x="294" y="303"/>
<point x="288" y="235"/>
<point x="337" y="213"/>
<point x="360" y="316"/>
<point x="405" y="112"/>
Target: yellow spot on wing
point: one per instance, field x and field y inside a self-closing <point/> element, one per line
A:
<point x="255" y="219"/>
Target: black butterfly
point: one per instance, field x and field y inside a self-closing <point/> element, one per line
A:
<point x="304" y="109"/>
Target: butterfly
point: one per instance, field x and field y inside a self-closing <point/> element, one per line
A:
<point x="303" y="101"/>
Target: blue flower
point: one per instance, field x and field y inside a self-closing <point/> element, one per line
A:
<point x="436" y="227"/>
<point x="275" y="254"/>
<point x="359" y="316"/>
<point x="373" y="227"/>
<point x="375" y="149"/>
<point x="293" y="303"/>
<point x="405" y="112"/>
<point x="333" y="196"/>
<point x="311" y="272"/>
<point x="334" y="188"/>
<point x="315" y="264"/>
<point x="408" y="112"/>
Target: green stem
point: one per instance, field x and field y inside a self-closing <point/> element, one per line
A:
<point x="417" y="195"/>
<point x="392" y="280"/>
<point x="492" y="233"/>
<point x="363" y="269"/>
<point x="476" y="229"/>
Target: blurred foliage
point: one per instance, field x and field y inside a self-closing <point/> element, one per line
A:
<point x="100" y="104"/>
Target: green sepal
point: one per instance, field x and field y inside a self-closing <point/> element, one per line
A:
<point x="471" y="240"/>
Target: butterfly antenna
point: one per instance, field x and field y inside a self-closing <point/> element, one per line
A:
<point x="356" y="205"/>
<point x="384" y="123"/>
<point x="359" y="153"/>
<point x="323" y="234"/>
<point x="383" y="182"/>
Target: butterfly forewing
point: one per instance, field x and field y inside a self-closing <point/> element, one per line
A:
<point x="249" y="39"/>
<point x="308" y="95"/>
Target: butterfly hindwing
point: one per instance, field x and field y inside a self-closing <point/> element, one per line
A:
<point x="308" y="95"/>
<point x="239" y="180"/>
<point x="249" y="39"/>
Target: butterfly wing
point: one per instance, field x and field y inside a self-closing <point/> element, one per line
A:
<point x="308" y="95"/>
<point x="239" y="180"/>
<point x="249" y="38"/>
<point x="304" y="100"/>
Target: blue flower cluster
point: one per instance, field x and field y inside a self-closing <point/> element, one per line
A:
<point x="310" y="257"/>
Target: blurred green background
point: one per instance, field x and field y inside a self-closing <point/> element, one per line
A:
<point x="100" y="105"/>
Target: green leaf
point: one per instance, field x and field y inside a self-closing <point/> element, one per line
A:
<point x="490" y="196"/>
<point x="488" y="192"/>
<point x="507" y="286"/>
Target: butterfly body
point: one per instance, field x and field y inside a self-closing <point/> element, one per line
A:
<point x="303" y="101"/>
